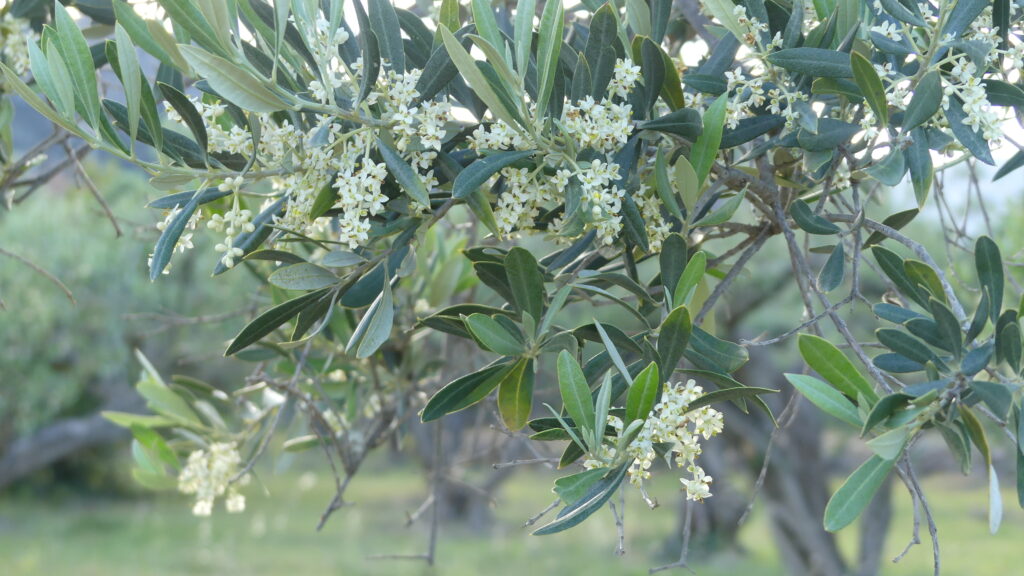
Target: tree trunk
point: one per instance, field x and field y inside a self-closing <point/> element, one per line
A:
<point x="55" y="442"/>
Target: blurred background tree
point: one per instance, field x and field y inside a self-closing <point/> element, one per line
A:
<point x="62" y="362"/>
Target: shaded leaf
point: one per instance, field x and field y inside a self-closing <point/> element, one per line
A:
<point x="828" y="399"/>
<point x="856" y="493"/>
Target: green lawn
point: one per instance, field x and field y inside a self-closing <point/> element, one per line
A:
<point x="276" y="535"/>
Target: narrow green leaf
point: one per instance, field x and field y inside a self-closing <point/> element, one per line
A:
<point x="830" y="362"/>
<point x="40" y="67"/>
<point x="476" y="174"/>
<point x="889" y="445"/>
<point x="892" y="265"/>
<point x="814" y="62"/>
<point x="710" y="353"/>
<point x="571" y="488"/>
<point x="870" y="85"/>
<point x="906" y="345"/>
<point x="575" y="391"/>
<point x="493" y="335"/>
<point x="705" y="148"/>
<point x="164" y="401"/>
<point x="404" y="174"/>
<point x="465" y="391"/>
<point x="374" y="328"/>
<point x="976" y="432"/>
<point x="673" y="261"/>
<point x="169" y="238"/>
<point x="638" y="14"/>
<point x="666" y="192"/>
<point x="270" y="320"/>
<point x="590" y="502"/>
<point x="138" y="31"/>
<point x="186" y="14"/>
<point x="989" y="264"/>
<point x="831" y="274"/>
<point x="856" y="493"/>
<point x="384" y="23"/>
<point x="686" y="183"/>
<point x="486" y="25"/>
<point x="903" y="12"/>
<point x="232" y="82"/>
<point x="549" y="44"/>
<point x="302" y="276"/>
<point x="129" y="420"/>
<point x="1015" y="162"/>
<point x="728" y="395"/>
<point x="63" y="96"/>
<point x="526" y="281"/>
<point x="18" y="86"/>
<point x="673" y="337"/>
<point x="188" y="113"/>
<point x="886" y="407"/>
<point x="723" y="213"/>
<point x="725" y="12"/>
<point x="525" y="11"/>
<point x="948" y="328"/>
<point x="810" y="222"/>
<point x="692" y="275"/>
<point x="613" y="353"/>
<point x="968" y="136"/>
<point x="79" y="63"/>
<point x="515" y="394"/>
<point x="826" y="398"/>
<point x="131" y="79"/>
<point x="925" y="101"/>
<point x="642" y="394"/>
<point x="995" y="501"/>
<point x="684" y="122"/>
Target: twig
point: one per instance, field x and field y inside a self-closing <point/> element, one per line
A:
<point x="915" y="538"/>
<point x="687" y="525"/>
<point x="533" y="519"/>
<point x="803" y="274"/>
<point x="336" y="503"/>
<point x="690" y="10"/>
<point x="511" y="463"/>
<point x="417" y="557"/>
<point x="787" y="416"/>
<point x="93" y="189"/>
<point x="620" y="522"/>
<point x="919" y="250"/>
<point x="435" y="519"/>
<point x="411" y="519"/>
<point x="42" y="272"/>
<point x="817" y="318"/>
<point x="933" y="530"/>
<point x="731" y="275"/>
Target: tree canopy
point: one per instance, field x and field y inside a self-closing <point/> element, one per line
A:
<point x="493" y="175"/>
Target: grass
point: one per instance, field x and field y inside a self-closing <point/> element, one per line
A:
<point x="158" y="535"/>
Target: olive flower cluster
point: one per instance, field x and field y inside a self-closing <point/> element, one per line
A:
<point x="672" y="423"/>
<point x="601" y="127"/>
<point x="15" y="34"/>
<point x="302" y="163"/>
<point x="207" y="475"/>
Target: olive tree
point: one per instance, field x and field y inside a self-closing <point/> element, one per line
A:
<point x="637" y="155"/>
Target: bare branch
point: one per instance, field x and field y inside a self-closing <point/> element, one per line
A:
<point x="42" y="272"/>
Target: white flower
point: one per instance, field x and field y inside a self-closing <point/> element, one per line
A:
<point x="15" y="34"/>
<point x="624" y="79"/>
<point x="207" y="475"/>
<point x="671" y="422"/>
<point x="890" y="30"/>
